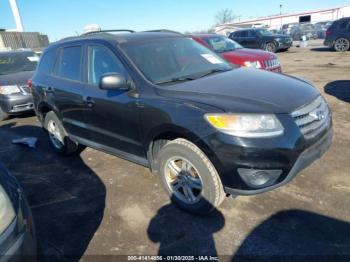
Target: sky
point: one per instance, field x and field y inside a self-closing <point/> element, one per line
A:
<point x="63" y="18"/>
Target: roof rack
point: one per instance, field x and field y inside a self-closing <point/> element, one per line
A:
<point x="109" y="31"/>
<point x="163" y="31"/>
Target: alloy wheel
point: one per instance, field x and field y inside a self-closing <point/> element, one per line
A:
<point x="183" y="180"/>
<point x="55" y="135"/>
<point x="342" y="45"/>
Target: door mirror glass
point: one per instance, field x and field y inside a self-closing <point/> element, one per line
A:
<point x="113" y="82"/>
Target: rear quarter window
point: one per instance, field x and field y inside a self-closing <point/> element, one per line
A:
<point x="47" y="61"/>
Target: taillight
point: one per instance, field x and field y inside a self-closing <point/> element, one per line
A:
<point x="328" y="32"/>
<point x="30" y="83"/>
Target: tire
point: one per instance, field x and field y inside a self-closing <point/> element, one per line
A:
<point x="342" y="45"/>
<point x="61" y="143"/>
<point x="270" y="47"/>
<point x="197" y="171"/>
<point x="3" y="115"/>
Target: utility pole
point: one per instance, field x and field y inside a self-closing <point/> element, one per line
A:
<point x="281" y="15"/>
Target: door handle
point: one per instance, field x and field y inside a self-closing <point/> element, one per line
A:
<point x="88" y="101"/>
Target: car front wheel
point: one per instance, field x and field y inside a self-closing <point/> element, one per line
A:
<point x="271" y="47"/>
<point x="59" y="140"/>
<point x="189" y="177"/>
<point x="342" y="45"/>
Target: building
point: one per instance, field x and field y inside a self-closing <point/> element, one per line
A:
<point x="276" y="22"/>
<point x="17" y="40"/>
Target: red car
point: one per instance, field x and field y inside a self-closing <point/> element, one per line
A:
<point x="238" y="55"/>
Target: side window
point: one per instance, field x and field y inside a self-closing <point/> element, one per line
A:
<point x="244" y="34"/>
<point x="69" y="64"/>
<point x="343" y="25"/>
<point x="236" y="34"/>
<point x="251" y="34"/>
<point x="102" y="61"/>
<point x="47" y="61"/>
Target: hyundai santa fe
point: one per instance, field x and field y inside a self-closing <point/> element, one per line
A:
<point x="164" y="101"/>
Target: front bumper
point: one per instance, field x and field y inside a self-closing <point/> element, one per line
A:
<point x="284" y="45"/>
<point x="305" y="159"/>
<point x="15" y="104"/>
<point x="288" y="154"/>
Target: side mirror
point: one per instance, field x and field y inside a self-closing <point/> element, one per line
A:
<point x="114" y="81"/>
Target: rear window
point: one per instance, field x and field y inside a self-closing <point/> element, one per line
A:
<point x="69" y="63"/>
<point x="11" y="63"/>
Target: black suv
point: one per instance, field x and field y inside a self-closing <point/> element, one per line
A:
<point x="166" y="102"/>
<point x="338" y="35"/>
<point x="16" y="68"/>
<point x="262" y="39"/>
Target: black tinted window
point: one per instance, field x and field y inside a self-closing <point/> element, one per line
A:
<point x="69" y="65"/>
<point x="344" y="24"/>
<point x="236" y="34"/>
<point x="15" y="62"/>
<point x="244" y="34"/>
<point x="102" y="61"/>
<point x="46" y="61"/>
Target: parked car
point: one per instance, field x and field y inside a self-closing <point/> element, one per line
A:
<point x="235" y="54"/>
<point x="338" y="35"/>
<point x="164" y="101"/>
<point x="322" y="27"/>
<point x="287" y="28"/>
<point x="262" y="39"/>
<point x="305" y="29"/>
<point x="16" y="68"/>
<point x="17" y="232"/>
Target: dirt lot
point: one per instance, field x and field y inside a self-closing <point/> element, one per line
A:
<point x="98" y="204"/>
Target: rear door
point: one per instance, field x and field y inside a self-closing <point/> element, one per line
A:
<point x="112" y="116"/>
<point x="66" y="88"/>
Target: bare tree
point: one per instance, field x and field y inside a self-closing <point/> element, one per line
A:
<point x="224" y="16"/>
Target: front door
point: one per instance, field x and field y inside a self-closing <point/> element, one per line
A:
<point x="111" y="116"/>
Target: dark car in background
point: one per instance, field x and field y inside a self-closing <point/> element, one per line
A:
<point x="164" y="101"/>
<point x="322" y="27"/>
<point x="17" y="232"/>
<point x="235" y="54"/>
<point x="16" y="68"/>
<point x="303" y="29"/>
<point x="338" y="35"/>
<point x="262" y="39"/>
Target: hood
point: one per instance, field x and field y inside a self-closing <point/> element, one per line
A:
<point x="246" y="90"/>
<point x="245" y="54"/>
<point x="20" y="78"/>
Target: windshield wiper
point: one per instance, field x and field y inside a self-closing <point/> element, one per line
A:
<point x="175" y="80"/>
<point x="213" y="71"/>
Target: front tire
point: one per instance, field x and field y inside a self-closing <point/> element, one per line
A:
<point x="342" y="45"/>
<point x="189" y="177"/>
<point x="61" y="143"/>
<point x="271" y="47"/>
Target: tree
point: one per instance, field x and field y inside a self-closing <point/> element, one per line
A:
<point x="224" y="16"/>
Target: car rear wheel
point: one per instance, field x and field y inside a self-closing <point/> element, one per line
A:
<point x="3" y="115"/>
<point x="190" y="178"/>
<point x="270" y="47"/>
<point x="58" y="138"/>
<point x="342" y="45"/>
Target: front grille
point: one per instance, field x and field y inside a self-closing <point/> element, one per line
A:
<point x="272" y="63"/>
<point x="313" y="118"/>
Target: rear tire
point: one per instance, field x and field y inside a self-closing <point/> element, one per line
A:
<point x="342" y="45"/>
<point x="61" y="143"/>
<point x="189" y="177"/>
<point x="271" y="47"/>
<point x="3" y="115"/>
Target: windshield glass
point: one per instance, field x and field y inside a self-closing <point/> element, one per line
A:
<point x="264" y="32"/>
<point x="11" y="63"/>
<point x="221" y="44"/>
<point x="174" y="59"/>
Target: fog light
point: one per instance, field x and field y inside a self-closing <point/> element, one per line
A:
<point x="259" y="178"/>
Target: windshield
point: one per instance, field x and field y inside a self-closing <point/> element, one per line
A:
<point x="11" y="63"/>
<point x="264" y="32"/>
<point x="221" y="44"/>
<point x="174" y="59"/>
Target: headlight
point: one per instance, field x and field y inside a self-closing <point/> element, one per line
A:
<point x="7" y="214"/>
<point x="246" y="125"/>
<point x="255" y="64"/>
<point x="8" y="90"/>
